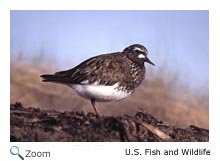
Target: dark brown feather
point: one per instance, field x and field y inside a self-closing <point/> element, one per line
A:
<point x="125" y="68"/>
<point x="106" y="69"/>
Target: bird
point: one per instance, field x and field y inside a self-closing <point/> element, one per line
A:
<point x="106" y="77"/>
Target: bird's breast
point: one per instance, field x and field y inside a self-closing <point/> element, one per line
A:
<point x="137" y="74"/>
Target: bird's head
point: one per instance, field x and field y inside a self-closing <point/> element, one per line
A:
<point x="137" y="53"/>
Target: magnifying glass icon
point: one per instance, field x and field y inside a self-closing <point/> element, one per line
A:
<point x="15" y="151"/>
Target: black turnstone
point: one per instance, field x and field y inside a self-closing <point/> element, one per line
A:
<point x="107" y="77"/>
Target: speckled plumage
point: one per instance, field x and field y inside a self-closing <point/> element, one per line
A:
<point x="119" y="72"/>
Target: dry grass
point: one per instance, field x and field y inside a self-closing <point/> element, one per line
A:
<point x="162" y="97"/>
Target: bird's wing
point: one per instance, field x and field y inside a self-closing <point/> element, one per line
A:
<point x="99" y="69"/>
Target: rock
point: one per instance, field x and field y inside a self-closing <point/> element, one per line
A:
<point x="33" y="124"/>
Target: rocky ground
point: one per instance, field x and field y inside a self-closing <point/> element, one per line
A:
<point x="33" y="124"/>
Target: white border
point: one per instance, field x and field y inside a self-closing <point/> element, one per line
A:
<point x="109" y="151"/>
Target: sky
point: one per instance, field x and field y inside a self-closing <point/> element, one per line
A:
<point x="178" y="39"/>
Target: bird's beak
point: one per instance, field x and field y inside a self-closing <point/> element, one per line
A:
<point x="149" y="61"/>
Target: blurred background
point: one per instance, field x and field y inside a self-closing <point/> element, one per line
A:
<point x="176" y="90"/>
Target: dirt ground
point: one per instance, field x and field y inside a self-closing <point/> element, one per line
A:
<point x="31" y="124"/>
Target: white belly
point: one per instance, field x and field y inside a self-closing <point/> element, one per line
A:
<point x="100" y="93"/>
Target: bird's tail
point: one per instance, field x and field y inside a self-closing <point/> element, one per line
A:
<point x="52" y="78"/>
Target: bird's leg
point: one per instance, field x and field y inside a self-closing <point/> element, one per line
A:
<point x="93" y="105"/>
